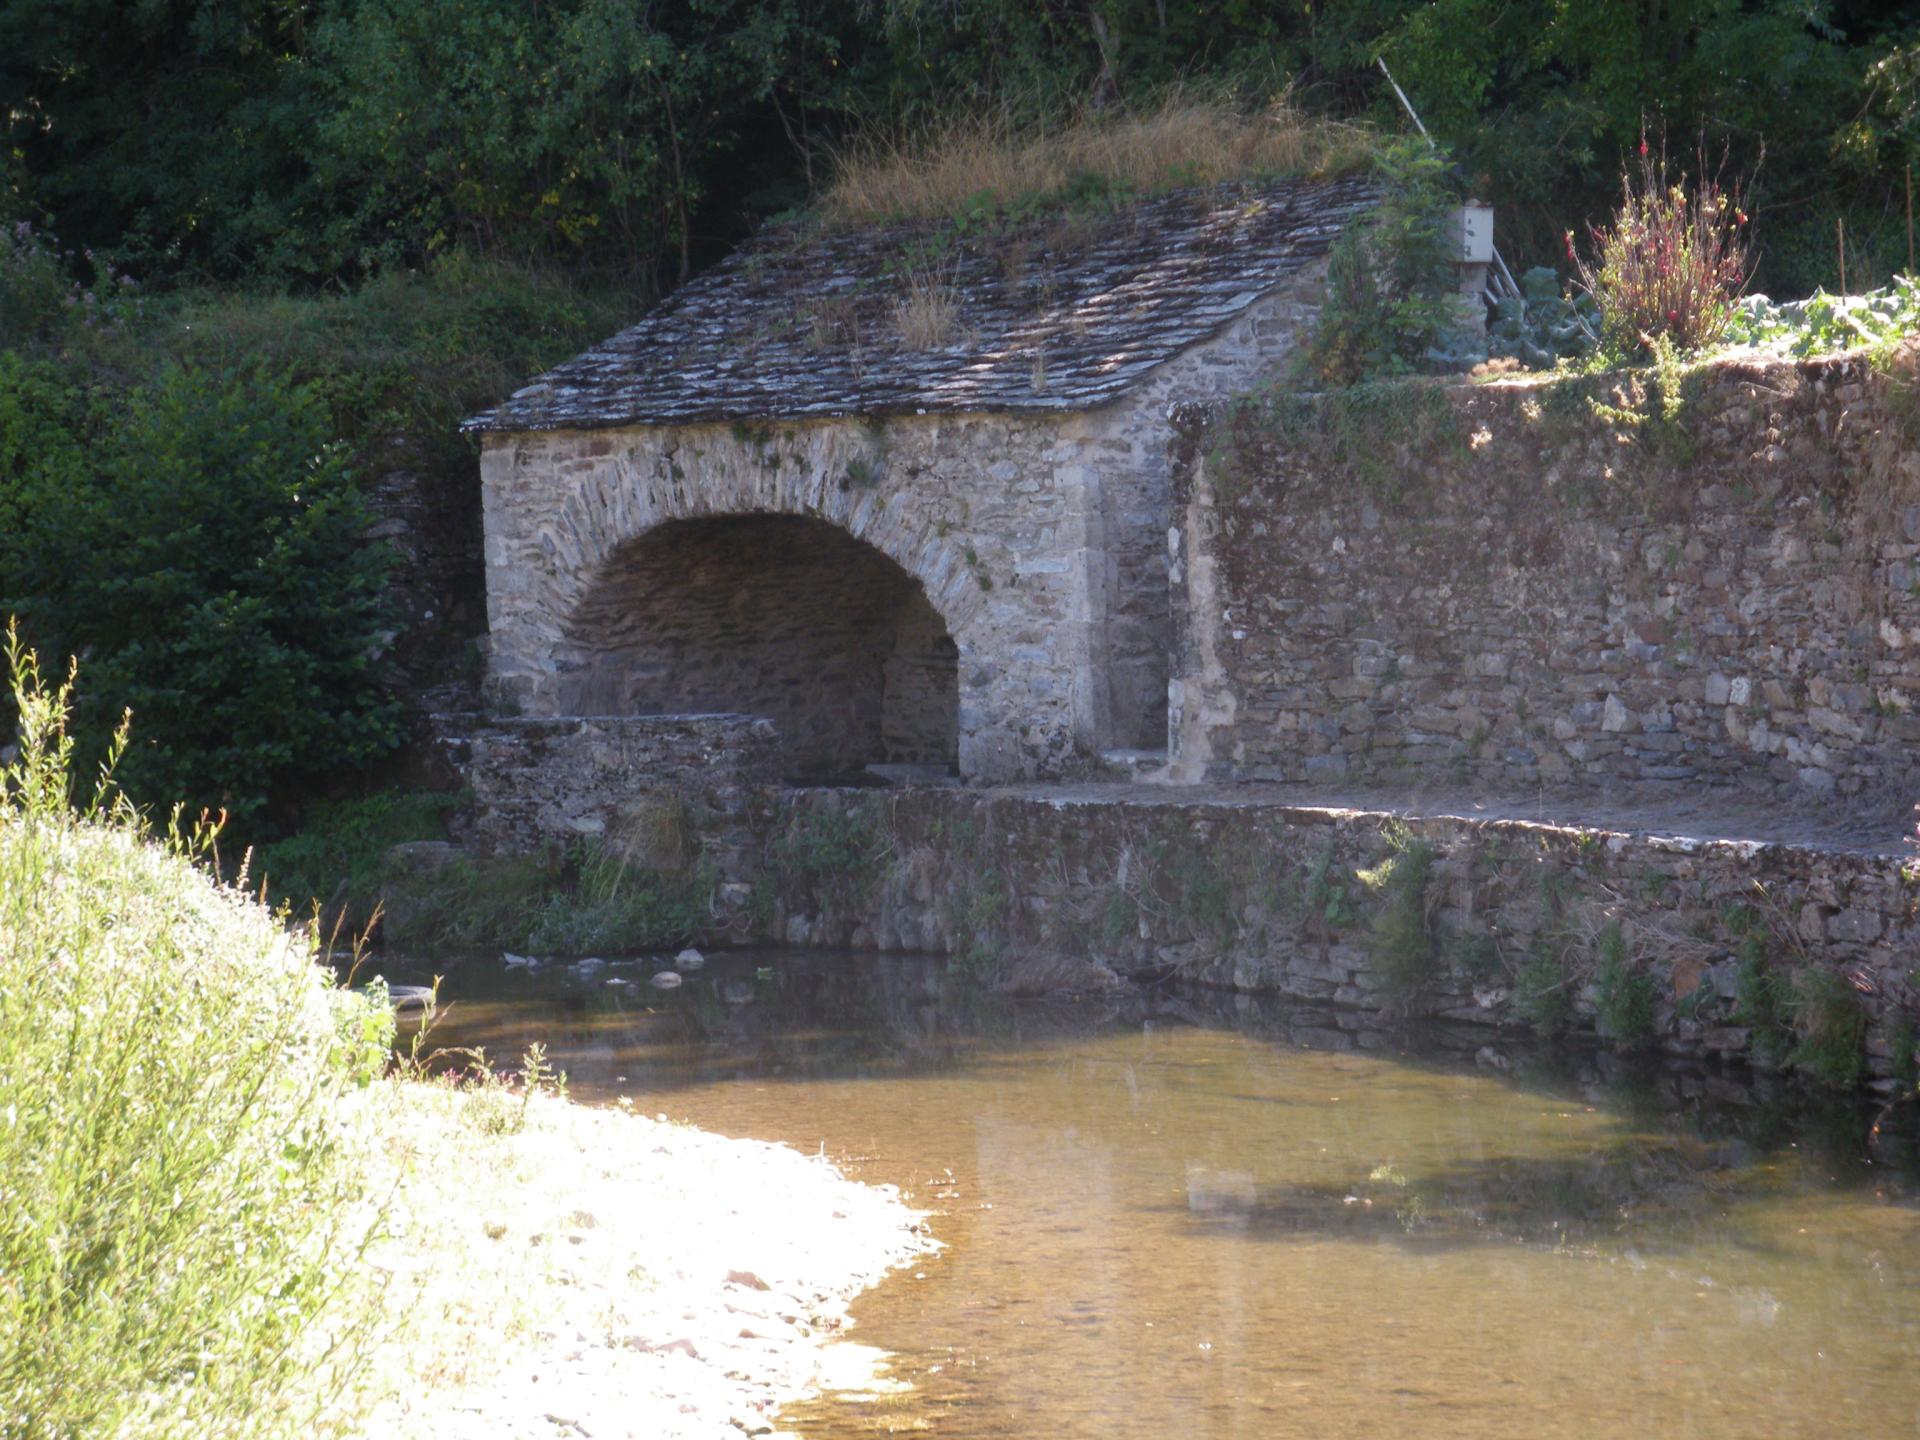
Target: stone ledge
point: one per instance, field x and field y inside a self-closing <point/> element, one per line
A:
<point x="553" y="779"/>
<point x="1291" y="895"/>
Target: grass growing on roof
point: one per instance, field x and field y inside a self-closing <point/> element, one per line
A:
<point x="1001" y="160"/>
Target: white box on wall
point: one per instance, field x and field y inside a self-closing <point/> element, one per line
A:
<point x="1475" y="221"/>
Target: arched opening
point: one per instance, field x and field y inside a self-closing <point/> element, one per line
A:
<point x="776" y="615"/>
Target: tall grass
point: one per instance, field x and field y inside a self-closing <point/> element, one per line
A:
<point x="181" y="1151"/>
<point x="1002" y="159"/>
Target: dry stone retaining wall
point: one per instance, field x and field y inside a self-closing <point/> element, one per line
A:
<point x="618" y="781"/>
<point x="1498" y="584"/>
<point x="1730" y="945"/>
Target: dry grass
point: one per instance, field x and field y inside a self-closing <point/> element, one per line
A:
<point x="994" y="161"/>
<point x="926" y="312"/>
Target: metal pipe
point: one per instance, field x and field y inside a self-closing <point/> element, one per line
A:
<point x="1500" y="270"/>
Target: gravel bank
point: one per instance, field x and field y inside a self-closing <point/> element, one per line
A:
<point x="599" y="1274"/>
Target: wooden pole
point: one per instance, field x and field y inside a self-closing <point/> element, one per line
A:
<point x="1840" y="243"/>
<point x="1911" y="272"/>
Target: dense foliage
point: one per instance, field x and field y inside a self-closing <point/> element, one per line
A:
<point x="200" y="542"/>
<point x="183" y="1163"/>
<point x="1390" y="280"/>
<point x="1824" y="322"/>
<point x="181" y="499"/>
<point x="322" y="139"/>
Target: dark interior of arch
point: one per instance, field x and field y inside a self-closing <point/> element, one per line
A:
<point x="782" y="616"/>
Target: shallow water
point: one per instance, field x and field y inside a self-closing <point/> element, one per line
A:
<point x="1187" y="1215"/>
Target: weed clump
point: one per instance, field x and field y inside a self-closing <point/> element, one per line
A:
<point x="840" y="847"/>
<point x="1761" y="1000"/>
<point x="1323" y="893"/>
<point x="1626" y="999"/>
<point x="180" y="1166"/>
<point x="1543" y="990"/>
<point x="1401" y="944"/>
<point x="617" y="905"/>
<point x="1831" y="1028"/>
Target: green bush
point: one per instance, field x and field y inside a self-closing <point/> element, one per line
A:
<point x="1830" y="1026"/>
<point x="343" y="842"/>
<point x="1390" y="307"/>
<point x="200" y="541"/>
<point x="180" y="1169"/>
<point x="1543" y="989"/>
<point x="1402" y="948"/>
<point x="410" y="353"/>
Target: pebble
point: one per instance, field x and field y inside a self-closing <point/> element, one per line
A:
<point x="667" y="980"/>
<point x="689" y="960"/>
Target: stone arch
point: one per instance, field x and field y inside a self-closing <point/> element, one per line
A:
<point x="779" y="615"/>
<point x="563" y="507"/>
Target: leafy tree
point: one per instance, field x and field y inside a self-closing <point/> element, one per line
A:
<point x="558" y="127"/>
<point x="320" y="140"/>
<point x="172" y="133"/>
<point x="201" y="547"/>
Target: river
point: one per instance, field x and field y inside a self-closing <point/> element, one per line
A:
<point x="1179" y="1213"/>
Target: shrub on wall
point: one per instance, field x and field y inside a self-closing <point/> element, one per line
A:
<point x="1670" y="266"/>
<point x="201" y="544"/>
<point x="1390" y="307"/>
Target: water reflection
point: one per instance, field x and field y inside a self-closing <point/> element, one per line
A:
<point x="1192" y="1214"/>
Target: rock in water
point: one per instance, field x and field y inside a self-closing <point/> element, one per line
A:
<point x="517" y="962"/>
<point x="410" y="997"/>
<point x="689" y="960"/>
<point x="667" y="980"/>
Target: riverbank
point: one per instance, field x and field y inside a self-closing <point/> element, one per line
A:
<point x="564" y="1271"/>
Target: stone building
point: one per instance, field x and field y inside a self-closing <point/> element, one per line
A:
<point x="905" y="492"/>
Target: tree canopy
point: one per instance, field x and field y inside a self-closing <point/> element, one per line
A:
<point x="318" y="141"/>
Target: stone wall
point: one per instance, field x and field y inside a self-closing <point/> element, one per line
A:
<point x="1137" y="483"/>
<point x="1038" y="541"/>
<point x="427" y="507"/>
<point x="632" y="783"/>
<point x="1560" y="583"/>
<point x="1713" y="948"/>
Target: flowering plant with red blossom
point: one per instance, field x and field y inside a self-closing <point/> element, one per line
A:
<point x="1670" y="265"/>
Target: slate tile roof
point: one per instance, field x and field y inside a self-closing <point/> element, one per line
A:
<point x="1065" y="313"/>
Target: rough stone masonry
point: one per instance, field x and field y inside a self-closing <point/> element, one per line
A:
<point x="945" y="553"/>
<point x="1558" y="583"/>
<point x="1565" y="701"/>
